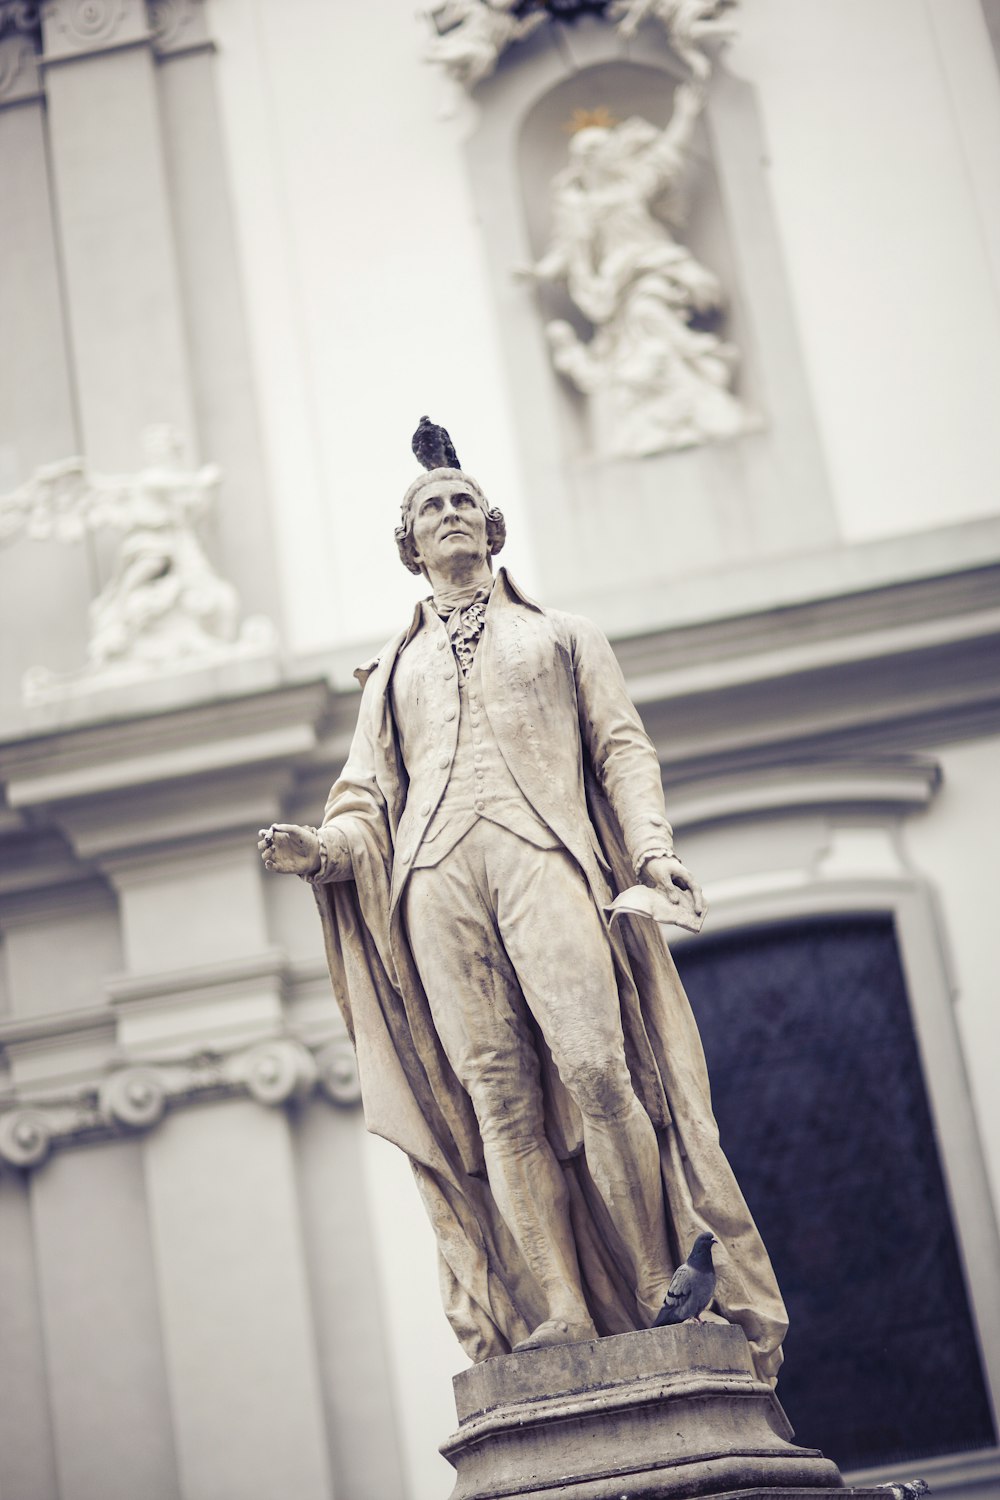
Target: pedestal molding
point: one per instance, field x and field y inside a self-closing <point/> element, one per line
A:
<point x="666" y="1412"/>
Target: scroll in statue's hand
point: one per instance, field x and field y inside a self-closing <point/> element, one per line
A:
<point x="287" y="849"/>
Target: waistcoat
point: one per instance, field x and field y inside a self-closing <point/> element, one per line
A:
<point x="479" y="786"/>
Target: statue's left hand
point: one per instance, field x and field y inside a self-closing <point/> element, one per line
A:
<point x="674" y="879"/>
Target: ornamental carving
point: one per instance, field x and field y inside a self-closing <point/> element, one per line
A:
<point x="25" y="1137"/>
<point x="19" y="15"/>
<point x="20" y="47"/>
<point x="135" y="1097"/>
<point x="473" y="35"/>
<point x="338" y="1072"/>
<point x="177" y="24"/>
<point x="81" y="24"/>
<point x="165" y="608"/>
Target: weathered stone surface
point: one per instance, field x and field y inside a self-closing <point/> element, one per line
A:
<point x="544" y="1075"/>
<point x="664" y="1412"/>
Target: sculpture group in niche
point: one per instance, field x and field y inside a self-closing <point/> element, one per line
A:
<point x="540" y="1067"/>
<point x="644" y="347"/>
<point x="164" y="605"/>
<point x="657" y="372"/>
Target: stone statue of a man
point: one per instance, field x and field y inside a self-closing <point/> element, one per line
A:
<point x="543" y="1073"/>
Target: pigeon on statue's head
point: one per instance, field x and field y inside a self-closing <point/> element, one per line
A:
<point x="433" y="447"/>
<point x="692" y="1285"/>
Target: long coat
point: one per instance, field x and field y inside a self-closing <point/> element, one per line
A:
<point x="571" y="738"/>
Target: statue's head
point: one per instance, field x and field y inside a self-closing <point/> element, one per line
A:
<point x="434" y="448"/>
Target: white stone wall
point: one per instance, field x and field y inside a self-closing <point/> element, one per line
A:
<point x="883" y="128"/>
<point x="369" y="300"/>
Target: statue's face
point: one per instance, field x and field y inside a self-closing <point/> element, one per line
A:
<point x="448" y="523"/>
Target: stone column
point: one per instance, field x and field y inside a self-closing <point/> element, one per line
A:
<point x="124" y="307"/>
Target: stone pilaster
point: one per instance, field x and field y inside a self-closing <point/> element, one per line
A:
<point x="117" y="237"/>
<point x="164" y="813"/>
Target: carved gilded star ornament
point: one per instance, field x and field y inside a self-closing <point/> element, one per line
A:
<point x="585" y="119"/>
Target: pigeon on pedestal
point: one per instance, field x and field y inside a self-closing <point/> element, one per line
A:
<point x="692" y="1285"/>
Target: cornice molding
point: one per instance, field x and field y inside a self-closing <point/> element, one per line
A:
<point x="63" y="892"/>
<point x="889" y="783"/>
<point x="75" y="761"/>
<point x="212" y="981"/>
<point x="59" y="1025"/>
<point x="135" y="1097"/>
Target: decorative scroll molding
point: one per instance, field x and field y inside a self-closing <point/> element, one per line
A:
<point x="164" y="609"/>
<point x="75" y="28"/>
<point x="178" y="26"/>
<point x="135" y="1097"/>
<point x="20" y="47"/>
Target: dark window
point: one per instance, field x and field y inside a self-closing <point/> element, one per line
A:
<point x="821" y="1105"/>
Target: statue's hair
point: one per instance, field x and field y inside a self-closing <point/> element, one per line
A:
<point x="496" y="527"/>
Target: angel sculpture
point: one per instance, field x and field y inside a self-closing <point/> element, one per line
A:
<point x="480" y="31"/>
<point x="689" y="24"/>
<point x="164" y="600"/>
<point x="658" y="374"/>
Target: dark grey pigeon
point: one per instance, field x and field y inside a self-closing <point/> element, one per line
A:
<point x="433" y="447"/>
<point x="692" y="1285"/>
<point x="910" y="1489"/>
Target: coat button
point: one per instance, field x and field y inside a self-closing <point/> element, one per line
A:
<point x="449" y="714"/>
<point x="425" y="808"/>
<point x="444" y="762"/>
<point x="480" y="805"/>
<point x="441" y="645"/>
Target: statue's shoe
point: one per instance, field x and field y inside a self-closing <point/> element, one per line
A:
<point x="557" y="1331"/>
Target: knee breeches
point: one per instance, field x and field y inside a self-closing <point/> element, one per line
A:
<point x="506" y="937"/>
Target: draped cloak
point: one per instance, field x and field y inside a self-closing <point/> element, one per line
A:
<point x="571" y="737"/>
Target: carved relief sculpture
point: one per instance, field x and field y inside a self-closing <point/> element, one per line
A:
<point x="164" y="605"/>
<point x="474" y="37"/>
<point x="541" y="1069"/>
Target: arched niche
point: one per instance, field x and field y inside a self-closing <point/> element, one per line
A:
<point x="608" y="524"/>
<point x="625" y="89"/>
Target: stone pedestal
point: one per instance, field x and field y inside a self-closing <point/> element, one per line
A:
<point x="642" y="1416"/>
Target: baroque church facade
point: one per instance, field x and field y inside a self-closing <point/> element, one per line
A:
<point x="709" y="299"/>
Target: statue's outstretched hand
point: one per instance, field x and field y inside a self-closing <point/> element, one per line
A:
<point x="287" y="849"/>
<point x="674" y="879"/>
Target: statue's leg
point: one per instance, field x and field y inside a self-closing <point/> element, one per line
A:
<point x="557" y="943"/>
<point x="481" y="1018"/>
